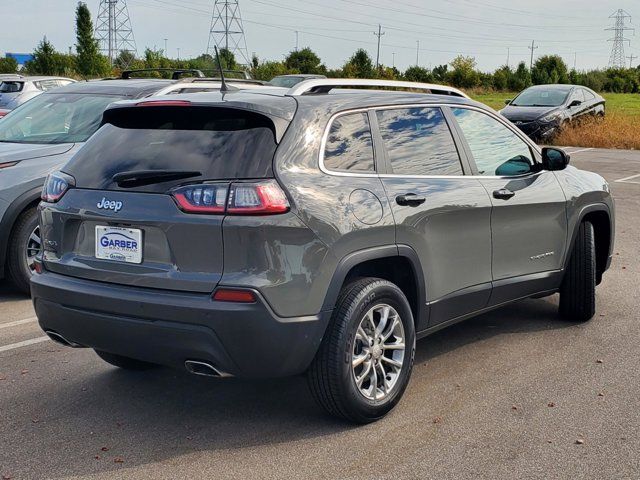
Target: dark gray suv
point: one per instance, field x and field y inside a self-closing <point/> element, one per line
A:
<point x="321" y="230"/>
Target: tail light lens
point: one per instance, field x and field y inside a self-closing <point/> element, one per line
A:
<point x="241" y="198"/>
<point x="259" y="198"/>
<point x="234" y="295"/>
<point x="202" y="198"/>
<point x="55" y="186"/>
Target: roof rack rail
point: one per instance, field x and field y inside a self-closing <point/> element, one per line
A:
<point x="218" y="79"/>
<point x="245" y="74"/>
<point x="325" y="85"/>
<point x="176" y="73"/>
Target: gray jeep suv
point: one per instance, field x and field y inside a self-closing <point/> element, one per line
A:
<point x="319" y="230"/>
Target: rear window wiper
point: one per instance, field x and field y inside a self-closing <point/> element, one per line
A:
<point x="139" y="178"/>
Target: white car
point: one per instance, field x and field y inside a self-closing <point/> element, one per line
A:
<point x="16" y="89"/>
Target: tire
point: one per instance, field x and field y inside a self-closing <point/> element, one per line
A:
<point x="24" y="242"/>
<point x="125" y="363"/>
<point x="332" y="374"/>
<point x="578" y="289"/>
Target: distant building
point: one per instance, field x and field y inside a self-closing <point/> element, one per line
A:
<point x="21" y="58"/>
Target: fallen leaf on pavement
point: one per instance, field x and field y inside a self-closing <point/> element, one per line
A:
<point x="6" y="477"/>
<point x="601" y="394"/>
<point x="97" y="457"/>
<point x="599" y="361"/>
<point x="551" y="404"/>
<point x="105" y="449"/>
<point x="514" y="407"/>
<point x="437" y="420"/>
<point x="118" y="460"/>
<point x="24" y="372"/>
<point x="579" y="441"/>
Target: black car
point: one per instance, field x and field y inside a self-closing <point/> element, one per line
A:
<point x="540" y="111"/>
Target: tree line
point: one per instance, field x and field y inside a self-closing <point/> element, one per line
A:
<point x="462" y="72"/>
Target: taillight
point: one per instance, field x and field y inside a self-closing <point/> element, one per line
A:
<point x="257" y="198"/>
<point x="202" y="198"/>
<point x="241" y="198"/>
<point x="55" y="186"/>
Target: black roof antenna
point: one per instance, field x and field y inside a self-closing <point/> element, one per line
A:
<point x="223" y="84"/>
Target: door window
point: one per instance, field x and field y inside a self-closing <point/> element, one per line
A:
<point x="349" y="145"/>
<point x="419" y="142"/>
<point x="496" y="149"/>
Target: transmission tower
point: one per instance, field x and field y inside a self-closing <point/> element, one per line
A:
<point x="113" y="29"/>
<point x="227" y="31"/>
<point x="618" y="58"/>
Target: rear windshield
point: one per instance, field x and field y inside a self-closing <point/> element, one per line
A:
<point x="217" y="143"/>
<point x="11" y="87"/>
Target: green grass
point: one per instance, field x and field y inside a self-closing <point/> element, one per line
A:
<point x="617" y="103"/>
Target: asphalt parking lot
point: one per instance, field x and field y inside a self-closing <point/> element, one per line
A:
<point x="516" y="393"/>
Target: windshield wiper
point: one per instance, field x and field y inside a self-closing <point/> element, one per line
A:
<point x="139" y="178"/>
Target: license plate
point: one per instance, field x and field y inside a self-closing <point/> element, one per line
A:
<point x="119" y="244"/>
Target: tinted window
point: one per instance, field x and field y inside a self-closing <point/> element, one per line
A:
<point x="11" y="87"/>
<point x="349" y="145"/>
<point x="219" y="143"/>
<point x="418" y="142"/>
<point x="495" y="148"/>
<point x="542" y="96"/>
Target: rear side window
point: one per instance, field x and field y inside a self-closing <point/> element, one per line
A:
<point x="419" y="142"/>
<point x="11" y="87"/>
<point x="219" y="143"/>
<point x="349" y="145"/>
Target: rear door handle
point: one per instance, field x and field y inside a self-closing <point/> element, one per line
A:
<point x="503" y="193"/>
<point x="410" y="200"/>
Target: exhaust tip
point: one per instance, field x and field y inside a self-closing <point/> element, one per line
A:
<point x="204" y="368"/>
<point x="56" y="337"/>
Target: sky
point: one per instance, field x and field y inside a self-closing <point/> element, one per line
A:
<point x="489" y="30"/>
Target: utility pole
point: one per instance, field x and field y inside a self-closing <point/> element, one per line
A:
<point x="417" y="52"/>
<point x="532" y="48"/>
<point x="617" y="58"/>
<point x="297" y="32"/>
<point x="113" y="29"/>
<point x="178" y="53"/>
<point x="575" y="59"/>
<point x="393" y="54"/>
<point x="166" y="52"/>
<point x="379" y="34"/>
<point x="631" y="58"/>
<point x="227" y="30"/>
<point x="508" y="55"/>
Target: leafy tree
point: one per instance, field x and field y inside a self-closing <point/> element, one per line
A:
<point x="550" y="69"/>
<point x="303" y="61"/>
<point x="464" y="73"/>
<point x="520" y="79"/>
<point x="418" y="74"/>
<point x="8" y="65"/>
<point x="440" y="73"/>
<point x="227" y="59"/>
<point x="44" y="59"/>
<point x="89" y="61"/>
<point x="359" y="65"/>
<point x="501" y="78"/>
<point x="268" y="70"/>
<point x="125" y="59"/>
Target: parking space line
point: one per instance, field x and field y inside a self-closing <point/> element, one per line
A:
<point x="581" y="150"/>
<point x="626" y="179"/>
<point x="26" y="343"/>
<point x="18" y="322"/>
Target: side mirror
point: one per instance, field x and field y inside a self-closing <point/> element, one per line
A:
<point x="507" y="101"/>
<point x="554" y="159"/>
<point x="575" y="103"/>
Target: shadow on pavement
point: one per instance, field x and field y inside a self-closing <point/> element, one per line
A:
<point x="148" y="417"/>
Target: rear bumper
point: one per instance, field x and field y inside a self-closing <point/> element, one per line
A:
<point x="168" y="328"/>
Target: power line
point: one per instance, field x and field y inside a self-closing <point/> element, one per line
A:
<point x="617" y="58"/>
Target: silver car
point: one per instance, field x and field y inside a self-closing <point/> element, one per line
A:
<point x="16" y="89"/>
